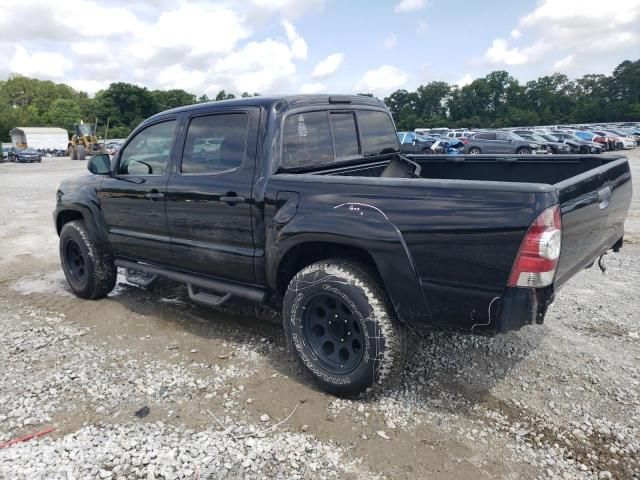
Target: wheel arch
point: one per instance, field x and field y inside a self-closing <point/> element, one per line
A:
<point x="380" y="247"/>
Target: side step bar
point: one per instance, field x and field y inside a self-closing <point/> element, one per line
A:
<point x="254" y="294"/>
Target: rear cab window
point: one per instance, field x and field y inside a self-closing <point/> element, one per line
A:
<point x="318" y="138"/>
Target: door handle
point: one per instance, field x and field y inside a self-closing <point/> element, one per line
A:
<point x="153" y="196"/>
<point x="604" y="197"/>
<point x="231" y="200"/>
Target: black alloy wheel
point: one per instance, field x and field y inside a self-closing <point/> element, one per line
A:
<point x="333" y="333"/>
<point x="75" y="261"/>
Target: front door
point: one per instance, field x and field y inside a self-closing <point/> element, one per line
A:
<point x="133" y="200"/>
<point x="209" y="196"/>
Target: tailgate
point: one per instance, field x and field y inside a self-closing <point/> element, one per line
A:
<point x="593" y="206"/>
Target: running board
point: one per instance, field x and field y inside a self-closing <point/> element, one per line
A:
<point x="139" y="278"/>
<point x="255" y="294"/>
<point x="207" y="298"/>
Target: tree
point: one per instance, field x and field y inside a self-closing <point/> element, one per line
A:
<point x="222" y="95"/>
<point x="125" y="104"/>
<point x="166" y="99"/>
<point x="63" y="113"/>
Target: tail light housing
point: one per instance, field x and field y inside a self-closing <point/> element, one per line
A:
<point x="537" y="259"/>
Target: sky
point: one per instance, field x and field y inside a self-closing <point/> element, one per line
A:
<point x="309" y="46"/>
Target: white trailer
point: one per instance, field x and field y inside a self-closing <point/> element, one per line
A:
<point x="40" y="137"/>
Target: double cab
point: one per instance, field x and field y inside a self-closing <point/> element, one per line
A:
<point x="306" y="201"/>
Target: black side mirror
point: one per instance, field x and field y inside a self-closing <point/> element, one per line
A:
<point x="100" y="164"/>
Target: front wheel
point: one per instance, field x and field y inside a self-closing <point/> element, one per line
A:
<point x="524" y="151"/>
<point x="340" y="325"/>
<point x="474" y="151"/>
<point x="90" y="271"/>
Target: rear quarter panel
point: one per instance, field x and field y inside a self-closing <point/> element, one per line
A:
<point x="454" y="240"/>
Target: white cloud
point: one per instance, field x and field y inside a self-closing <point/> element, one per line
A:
<point x="499" y="53"/>
<point x="572" y="29"/>
<point x="381" y="80"/>
<point x="89" y="86"/>
<point x="317" y="87"/>
<point x="298" y="45"/>
<point x="196" y="46"/>
<point x="39" y="63"/>
<point x="465" y="80"/>
<point x="410" y="5"/>
<point x="290" y="8"/>
<point x="328" y="66"/>
<point x="391" y="42"/>
<point x="564" y="63"/>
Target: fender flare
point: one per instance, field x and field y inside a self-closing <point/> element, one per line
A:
<point x="362" y="226"/>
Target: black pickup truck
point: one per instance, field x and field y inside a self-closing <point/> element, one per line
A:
<point x="307" y="202"/>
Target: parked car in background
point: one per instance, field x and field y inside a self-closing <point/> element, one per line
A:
<point x="574" y="146"/>
<point x="627" y="139"/>
<point x="112" y="148"/>
<point x="25" y="155"/>
<point x="500" y="142"/>
<point x="552" y="147"/>
<point x="590" y="136"/>
<point x="584" y="146"/>
<point x="411" y="142"/>
<point x="5" y="153"/>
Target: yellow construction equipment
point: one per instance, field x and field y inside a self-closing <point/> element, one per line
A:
<point x="84" y="142"/>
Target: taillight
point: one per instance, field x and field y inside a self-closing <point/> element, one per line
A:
<point x="537" y="259"/>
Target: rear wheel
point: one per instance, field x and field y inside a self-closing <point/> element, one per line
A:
<point x="524" y="151"/>
<point x="90" y="271"/>
<point x="474" y="150"/>
<point x="340" y="326"/>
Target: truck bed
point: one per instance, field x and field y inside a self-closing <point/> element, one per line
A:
<point x="516" y="168"/>
<point x="462" y="220"/>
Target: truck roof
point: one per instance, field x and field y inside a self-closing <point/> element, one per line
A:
<point x="291" y="101"/>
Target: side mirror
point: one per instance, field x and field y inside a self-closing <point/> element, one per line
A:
<point x="100" y="164"/>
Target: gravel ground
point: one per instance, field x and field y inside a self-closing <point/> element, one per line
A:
<point x="144" y="384"/>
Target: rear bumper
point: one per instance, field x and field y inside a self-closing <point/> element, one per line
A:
<point x="522" y="306"/>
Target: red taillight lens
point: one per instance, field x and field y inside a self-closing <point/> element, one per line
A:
<point x="537" y="259"/>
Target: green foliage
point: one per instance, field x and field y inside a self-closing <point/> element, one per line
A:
<point x="28" y="102"/>
<point x="495" y="100"/>
<point x="499" y="100"/>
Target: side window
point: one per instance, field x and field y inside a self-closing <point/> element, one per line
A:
<point x="215" y="143"/>
<point x="148" y="152"/>
<point x="377" y="132"/>
<point x="307" y="140"/>
<point x="501" y="136"/>
<point x="345" y="135"/>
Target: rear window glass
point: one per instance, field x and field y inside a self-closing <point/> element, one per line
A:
<point x="307" y="140"/>
<point x="377" y="133"/>
<point x="345" y="135"/>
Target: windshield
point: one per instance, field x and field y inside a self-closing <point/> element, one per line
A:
<point x="536" y="137"/>
<point x="551" y="138"/>
<point x="514" y="136"/>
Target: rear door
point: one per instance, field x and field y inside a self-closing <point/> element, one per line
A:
<point x="503" y="143"/>
<point x="133" y="199"/>
<point x="209" y="195"/>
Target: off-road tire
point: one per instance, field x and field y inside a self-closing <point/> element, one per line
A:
<point x="81" y="154"/>
<point x="372" y="318"/>
<point x="92" y="276"/>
